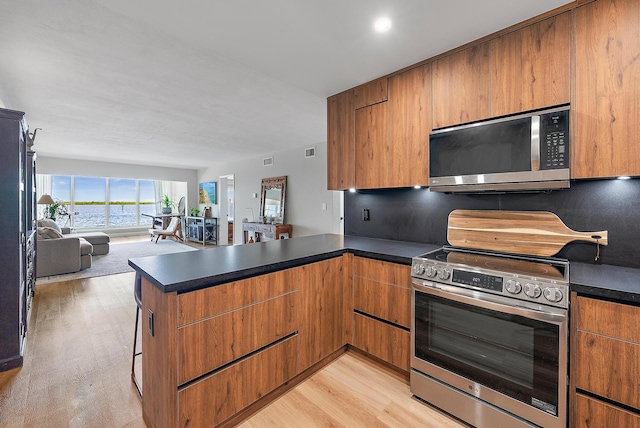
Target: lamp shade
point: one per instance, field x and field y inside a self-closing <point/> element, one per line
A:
<point x="45" y="200"/>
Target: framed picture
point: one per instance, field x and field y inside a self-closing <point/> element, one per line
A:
<point x="207" y="192"/>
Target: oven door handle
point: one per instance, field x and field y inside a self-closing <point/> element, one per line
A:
<point x="492" y="302"/>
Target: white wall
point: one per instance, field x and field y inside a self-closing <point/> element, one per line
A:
<point x="60" y="166"/>
<point x="306" y="190"/>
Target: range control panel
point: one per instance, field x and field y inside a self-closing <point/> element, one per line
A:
<point x="486" y="282"/>
<point x="524" y="287"/>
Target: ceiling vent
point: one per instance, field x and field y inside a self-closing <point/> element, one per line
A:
<point x="310" y="153"/>
<point x="267" y="161"/>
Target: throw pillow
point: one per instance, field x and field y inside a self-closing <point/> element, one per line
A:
<point x="45" y="222"/>
<point x="42" y="234"/>
<point x="49" y="233"/>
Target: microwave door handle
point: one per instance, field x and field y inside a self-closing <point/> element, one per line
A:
<point x="535" y="143"/>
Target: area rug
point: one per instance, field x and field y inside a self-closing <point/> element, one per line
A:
<point x="117" y="259"/>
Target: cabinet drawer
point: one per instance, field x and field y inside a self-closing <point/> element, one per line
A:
<point x="211" y="343"/>
<point x="593" y="413"/>
<point x="391" y="273"/>
<point x="384" y="341"/>
<point x="223" y="394"/>
<point x="208" y="302"/>
<point x="611" y="319"/>
<point x="387" y="301"/>
<point x="608" y="367"/>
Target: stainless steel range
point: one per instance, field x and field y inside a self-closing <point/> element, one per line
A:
<point x="489" y="336"/>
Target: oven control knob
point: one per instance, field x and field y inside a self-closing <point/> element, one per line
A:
<point x="444" y="274"/>
<point x="418" y="269"/>
<point x="431" y="271"/>
<point x="513" y="286"/>
<point x="532" y="290"/>
<point x="552" y="294"/>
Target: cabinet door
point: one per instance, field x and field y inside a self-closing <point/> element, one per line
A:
<point x="320" y="311"/>
<point x="370" y="93"/>
<point x="607" y="359"/>
<point x="389" y="343"/>
<point x="409" y="127"/>
<point x="594" y="413"/>
<point x="383" y="290"/>
<point x="606" y="112"/>
<point x="213" y="342"/>
<point x="340" y="142"/>
<point x="372" y="157"/>
<point x="462" y="87"/>
<point x="213" y="399"/>
<point x="531" y="67"/>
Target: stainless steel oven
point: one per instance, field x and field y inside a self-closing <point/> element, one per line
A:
<point x="489" y="337"/>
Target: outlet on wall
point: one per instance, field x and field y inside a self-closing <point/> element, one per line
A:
<point x="365" y="214"/>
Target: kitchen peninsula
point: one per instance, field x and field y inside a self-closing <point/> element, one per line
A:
<point x="227" y="326"/>
<point x="230" y="329"/>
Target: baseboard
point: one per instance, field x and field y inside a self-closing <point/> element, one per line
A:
<point x="11" y="363"/>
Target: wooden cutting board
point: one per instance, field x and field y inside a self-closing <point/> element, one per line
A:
<point x="537" y="233"/>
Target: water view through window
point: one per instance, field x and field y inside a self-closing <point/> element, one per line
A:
<point x="98" y="202"/>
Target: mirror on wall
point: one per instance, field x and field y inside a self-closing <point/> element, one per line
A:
<point x="272" y="197"/>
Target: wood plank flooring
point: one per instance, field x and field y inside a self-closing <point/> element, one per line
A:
<point x="77" y="369"/>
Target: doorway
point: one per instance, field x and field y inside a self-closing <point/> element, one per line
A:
<point x="227" y="209"/>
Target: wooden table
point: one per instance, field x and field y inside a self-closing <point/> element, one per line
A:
<point x="266" y="232"/>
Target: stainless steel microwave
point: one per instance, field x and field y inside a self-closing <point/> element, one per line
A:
<point x="523" y="152"/>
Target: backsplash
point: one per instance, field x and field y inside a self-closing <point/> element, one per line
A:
<point x="418" y="215"/>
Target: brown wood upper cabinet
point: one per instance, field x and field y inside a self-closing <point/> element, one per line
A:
<point x="409" y="126"/>
<point x="605" y="111"/>
<point x="370" y="93"/>
<point x="340" y="142"/>
<point x="462" y="86"/>
<point x="531" y="67"/>
<point x="371" y="158"/>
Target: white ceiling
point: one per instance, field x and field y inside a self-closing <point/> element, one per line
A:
<point x="192" y="83"/>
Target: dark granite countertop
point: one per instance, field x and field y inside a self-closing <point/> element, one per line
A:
<point x="193" y="270"/>
<point x="606" y="281"/>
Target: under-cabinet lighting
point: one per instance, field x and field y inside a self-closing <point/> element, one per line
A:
<point x="624" y="177"/>
<point x="417" y="186"/>
<point x="352" y="190"/>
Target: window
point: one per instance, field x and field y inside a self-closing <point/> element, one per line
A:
<point x="89" y="196"/>
<point x="100" y="202"/>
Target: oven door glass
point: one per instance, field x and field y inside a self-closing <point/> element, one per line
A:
<point x="512" y="354"/>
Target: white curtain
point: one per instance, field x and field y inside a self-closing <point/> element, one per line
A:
<point x="43" y="185"/>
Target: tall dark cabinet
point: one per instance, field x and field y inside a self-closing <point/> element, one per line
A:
<point x="18" y="237"/>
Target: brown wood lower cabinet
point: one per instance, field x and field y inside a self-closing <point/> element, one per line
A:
<point x="594" y="413"/>
<point x="382" y="310"/>
<point x="216" y="351"/>
<point x="606" y="363"/>
<point x="213" y="342"/>
<point x="214" y="399"/>
<point x="382" y="340"/>
<point x="321" y="311"/>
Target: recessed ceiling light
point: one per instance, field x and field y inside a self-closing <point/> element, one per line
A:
<point x="382" y="24"/>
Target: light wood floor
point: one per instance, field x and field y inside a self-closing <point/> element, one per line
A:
<point x="77" y="366"/>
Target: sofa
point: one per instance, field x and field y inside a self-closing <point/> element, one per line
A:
<point x="58" y="252"/>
